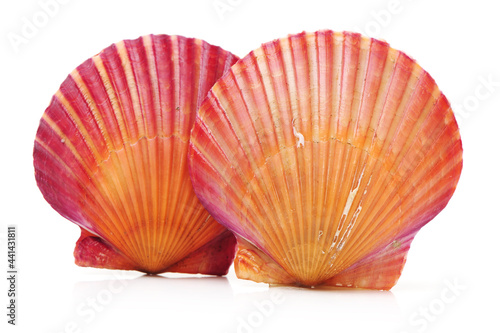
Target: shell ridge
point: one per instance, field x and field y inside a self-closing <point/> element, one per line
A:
<point x="275" y="50"/>
<point x="184" y="48"/>
<point x="71" y="100"/>
<point x="57" y="130"/>
<point x="117" y="196"/>
<point x="351" y="57"/>
<point x="128" y="52"/>
<point x="103" y="101"/>
<point x="158" y="148"/>
<point x="78" y="181"/>
<point x="195" y="150"/>
<point x="300" y="52"/>
<point x="383" y="104"/>
<point x="163" y="46"/>
<point x="413" y="102"/>
<point x="113" y="69"/>
<point x="452" y="163"/>
<point x="369" y="70"/>
<point x="382" y="205"/>
<point x="381" y="116"/>
<point x="109" y="74"/>
<point x="409" y="101"/>
<point x="295" y="53"/>
<point x="292" y="108"/>
<point x="116" y="215"/>
<point x="365" y="68"/>
<point x="335" y="151"/>
<point x="140" y="79"/>
<point x="195" y="50"/>
<point x="187" y="95"/>
<point x="154" y="162"/>
<point x="380" y="269"/>
<point x="257" y="168"/>
<point x="319" y="193"/>
<point x="199" y="52"/>
<point x="351" y="210"/>
<point x="331" y="52"/>
<point x="175" y="48"/>
<point x="310" y="218"/>
<point x="375" y="68"/>
<point x="45" y="175"/>
<point x="330" y="79"/>
<point x="83" y="89"/>
<point x="124" y="53"/>
<point x="136" y="55"/>
<point x="417" y="222"/>
<point x="366" y="233"/>
<point x="60" y="108"/>
<point x="348" y="212"/>
<point x="210" y="164"/>
<point x="336" y="223"/>
<point x="206" y="59"/>
<point x="428" y="148"/>
<point x="343" y="257"/>
<point x="427" y="144"/>
<point x="260" y="169"/>
<point x="391" y="113"/>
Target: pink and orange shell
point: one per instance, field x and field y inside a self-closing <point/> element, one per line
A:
<point x="325" y="153"/>
<point x="111" y="156"/>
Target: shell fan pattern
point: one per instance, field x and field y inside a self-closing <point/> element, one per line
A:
<point x="111" y="156"/>
<point x="325" y="153"/>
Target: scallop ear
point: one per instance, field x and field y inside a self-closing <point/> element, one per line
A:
<point x="378" y="270"/>
<point x="93" y="251"/>
<point x="253" y="264"/>
<point x="110" y="155"/>
<point x="320" y="150"/>
<point x="213" y="258"/>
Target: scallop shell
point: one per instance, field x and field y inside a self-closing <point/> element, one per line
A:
<point x="325" y="153"/>
<point x="110" y="155"/>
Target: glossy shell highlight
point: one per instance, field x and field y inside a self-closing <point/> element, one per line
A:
<point x="110" y="155"/>
<point x="325" y="153"/>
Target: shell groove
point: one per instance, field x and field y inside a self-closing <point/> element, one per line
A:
<point x="110" y="155"/>
<point x="325" y="153"/>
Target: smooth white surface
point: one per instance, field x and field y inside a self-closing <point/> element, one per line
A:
<point x="455" y="41"/>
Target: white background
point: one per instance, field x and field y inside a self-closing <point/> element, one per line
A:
<point x="457" y="42"/>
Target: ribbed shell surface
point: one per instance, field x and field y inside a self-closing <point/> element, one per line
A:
<point x="325" y="153"/>
<point x="110" y="154"/>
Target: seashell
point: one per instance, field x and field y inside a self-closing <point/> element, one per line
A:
<point x="110" y="155"/>
<point x="325" y="153"/>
